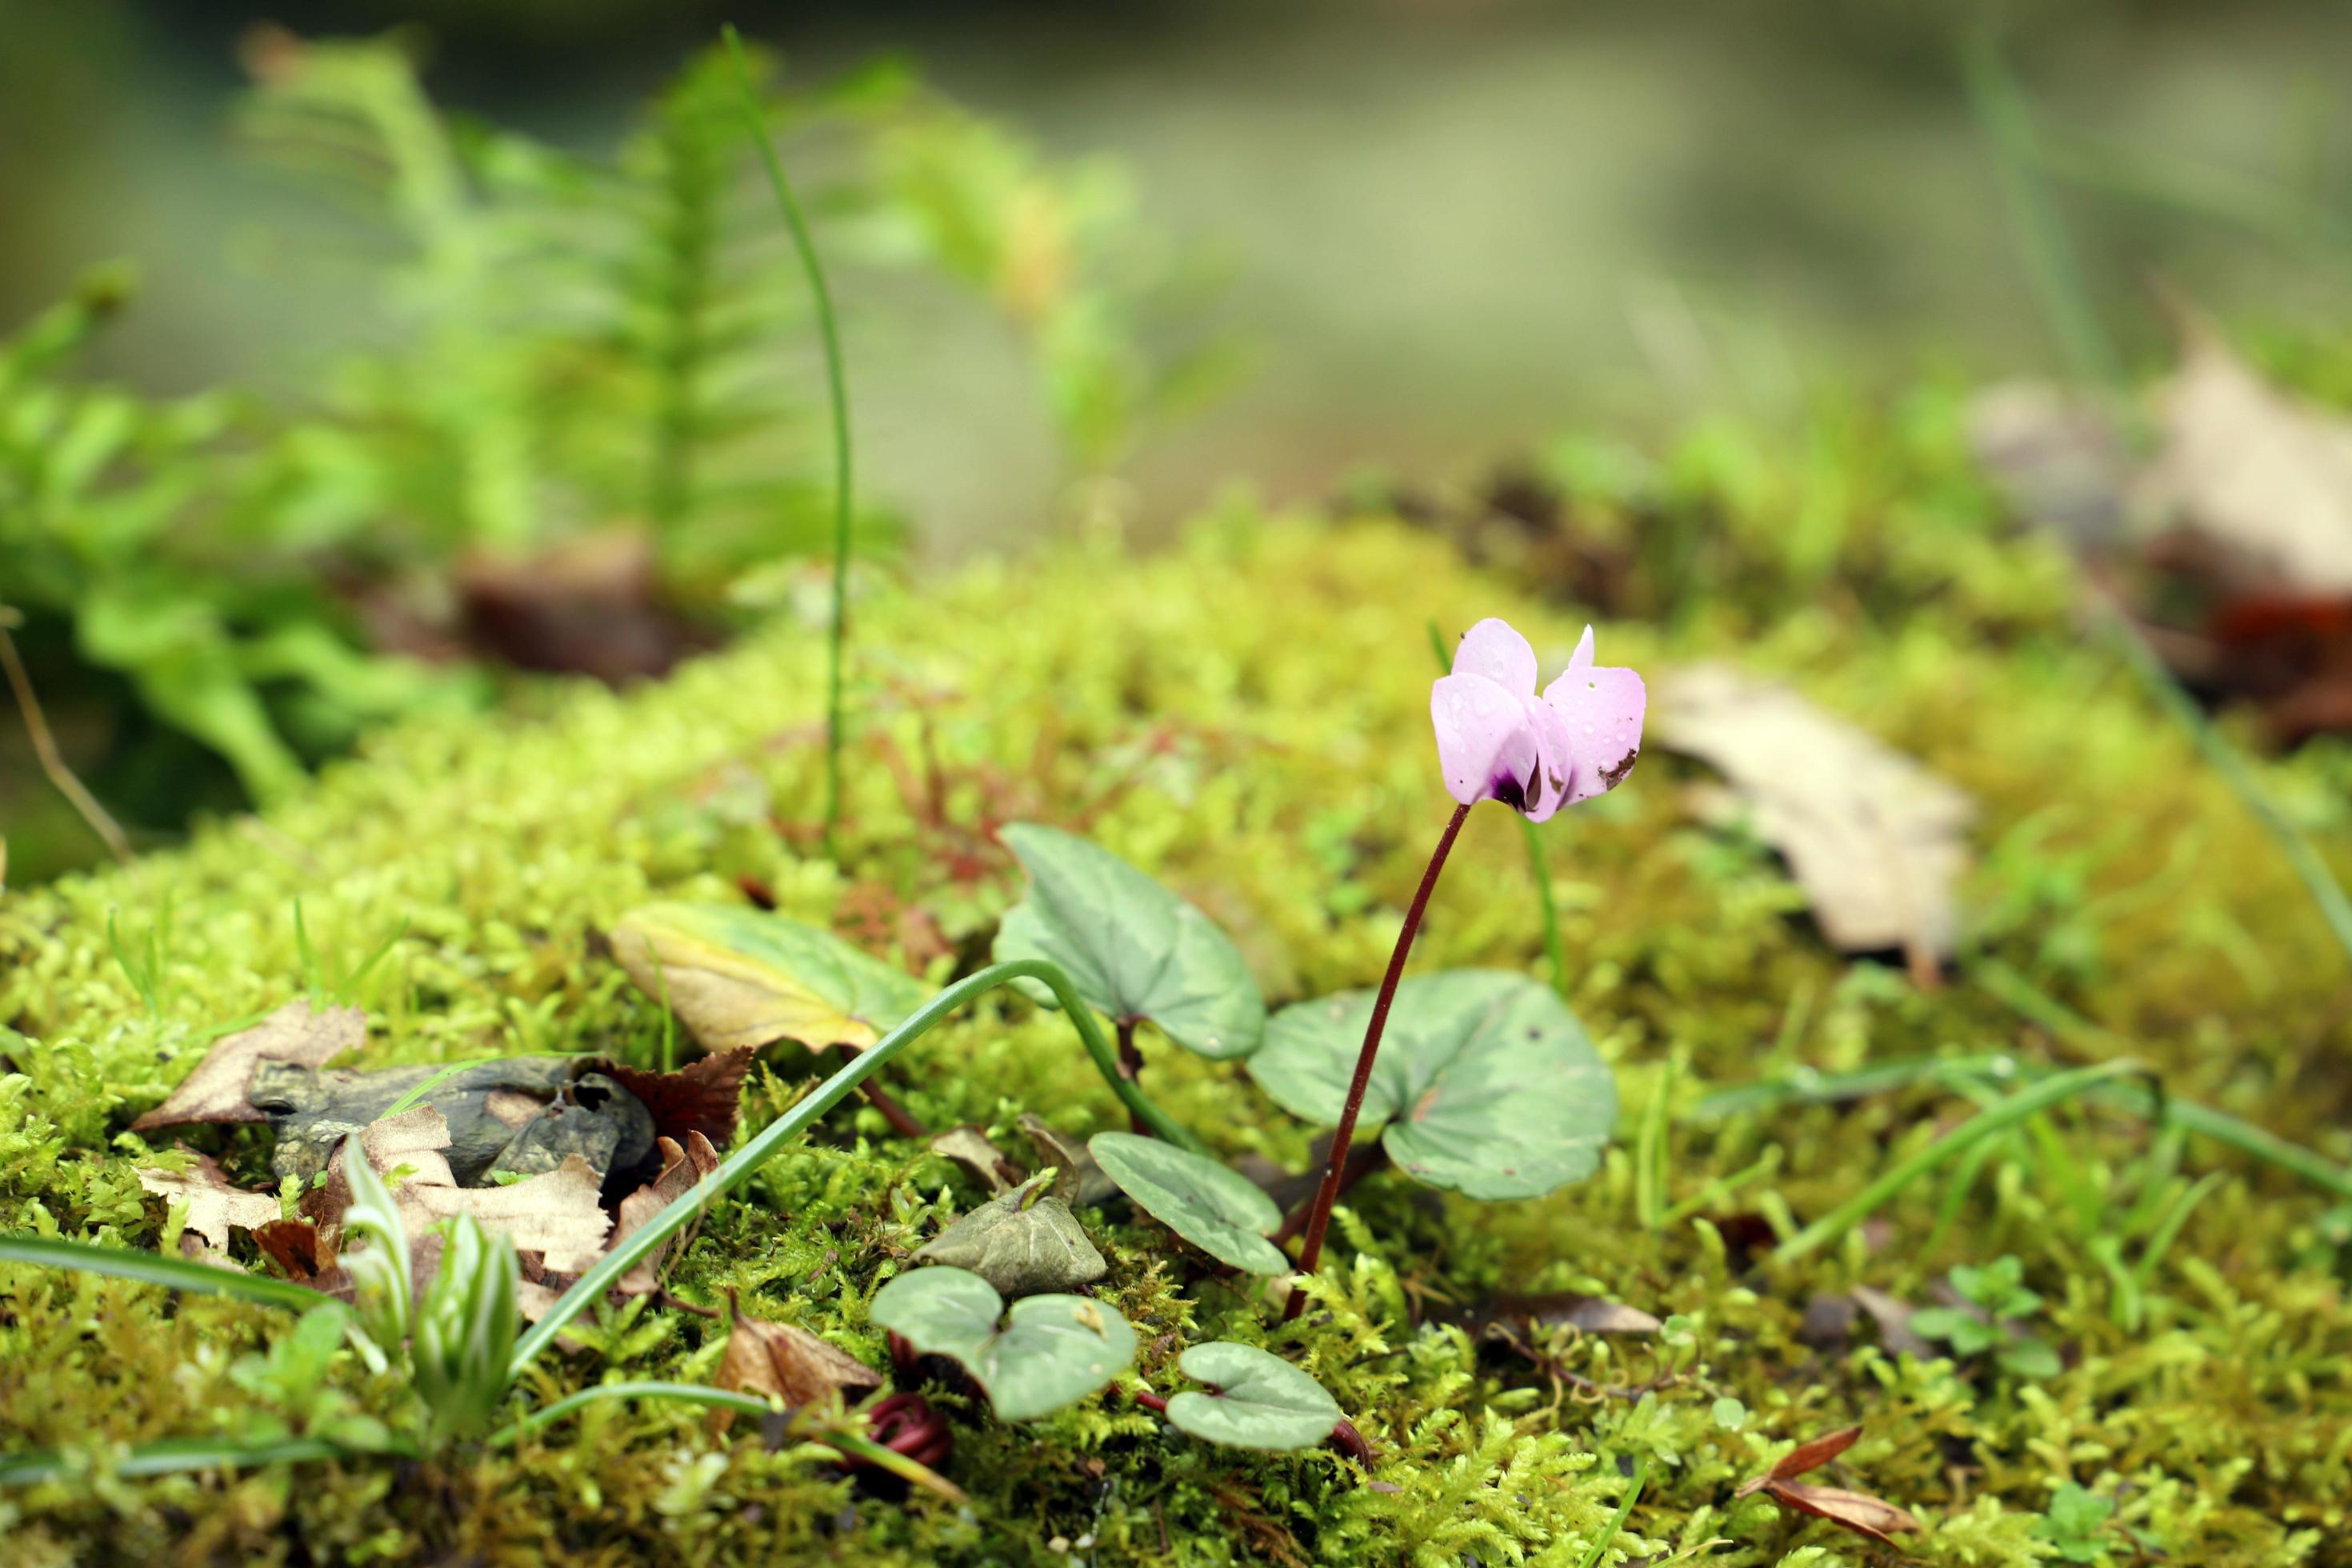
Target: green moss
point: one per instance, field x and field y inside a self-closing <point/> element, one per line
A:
<point x="1245" y="715"/>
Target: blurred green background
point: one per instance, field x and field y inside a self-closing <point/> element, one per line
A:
<point x="1445" y="226"/>
<point x="1109" y="262"/>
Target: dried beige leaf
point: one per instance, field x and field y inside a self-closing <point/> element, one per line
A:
<point x="1876" y="840"/>
<point x="558" y="1215"/>
<point x="2265" y="477"/>
<point x="214" y="1092"/>
<point x="787" y="1363"/>
<point x="215" y="1204"/>
<point x="970" y="1147"/>
<point x="683" y="1169"/>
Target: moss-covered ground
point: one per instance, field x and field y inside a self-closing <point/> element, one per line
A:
<point x="1245" y="714"/>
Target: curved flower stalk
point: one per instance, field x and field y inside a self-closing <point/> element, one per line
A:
<point x="1497" y="739"/>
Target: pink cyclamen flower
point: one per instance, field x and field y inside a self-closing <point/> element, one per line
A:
<point x="1497" y="740"/>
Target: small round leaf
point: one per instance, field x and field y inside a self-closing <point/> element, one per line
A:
<point x="1218" y="1210"/>
<point x="1133" y="949"/>
<point x="1049" y="1352"/>
<point x="1488" y="1084"/>
<point x="1260" y="1401"/>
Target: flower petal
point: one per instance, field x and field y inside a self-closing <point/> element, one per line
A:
<point x="1582" y="658"/>
<point x="1546" y="784"/>
<point x="1493" y="649"/>
<point x="1485" y="738"/>
<point x="1603" y="706"/>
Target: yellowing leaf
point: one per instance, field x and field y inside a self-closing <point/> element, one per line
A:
<point x="742" y="977"/>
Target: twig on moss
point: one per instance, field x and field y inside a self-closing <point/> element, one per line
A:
<point x="45" y="748"/>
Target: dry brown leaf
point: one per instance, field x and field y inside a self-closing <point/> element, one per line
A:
<point x="704" y="1097"/>
<point x="1858" y="1512"/>
<point x="558" y="1215"/>
<point x="968" y="1146"/>
<point x="1876" y="840"/>
<point x="300" y="1252"/>
<point x="786" y="1362"/>
<point x="1508" y="1312"/>
<point x="214" y="1092"/>
<point x="682" y="1169"/>
<point x="215" y="1204"/>
<point x="2265" y="477"/>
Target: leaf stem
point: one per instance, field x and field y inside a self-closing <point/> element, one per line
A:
<point x="1131" y="1067"/>
<point x="1319" y="1218"/>
<point x="834" y="1435"/>
<point x="837" y="390"/>
<point x="740" y="1166"/>
<point x="1994" y="1119"/>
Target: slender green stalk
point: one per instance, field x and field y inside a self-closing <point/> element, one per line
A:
<point x="1720" y="1188"/>
<point x="2043" y="244"/>
<point x="837" y="389"/>
<point x="2312" y="867"/>
<point x="1996" y="1118"/>
<point x="1649" y="1153"/>
<point x="1538" y="867"/>
<point x="177" y="1456"/>
<point x="678" y="1393"/>
<point x="1624" y="1510"/>
<point x="155" y="1269"/>
<point x="833" y="1434"/>
<point x="740" y="1166"/>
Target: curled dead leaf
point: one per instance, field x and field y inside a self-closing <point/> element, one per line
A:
<point x="787" y="1363"/>
<point x="970" y="1147"/>
<point x="1079" y="1181"/>
<point x="214" y="1092"/>
<point x="1859" y="1511"/>
<point x="683" y="1168"/>
<point x="1022" y="1242"/>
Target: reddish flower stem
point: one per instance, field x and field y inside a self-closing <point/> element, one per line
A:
<point x="1319" y="1218"/>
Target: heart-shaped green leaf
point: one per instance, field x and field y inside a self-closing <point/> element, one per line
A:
<point x="1020" y="1242"/>
<point x="745" y="977"/>
<point x="1260" y="1401"/>
<point x="1133" y="949"/>
<point x="1049" y="1351"/>
<point x="1220" y="1210"/>
<point x="1487" y="1082"/>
